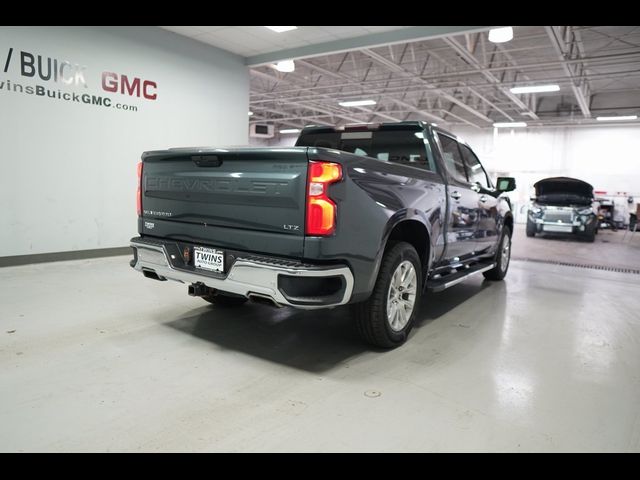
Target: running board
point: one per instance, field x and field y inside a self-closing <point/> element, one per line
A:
<point x="455" y="278"/>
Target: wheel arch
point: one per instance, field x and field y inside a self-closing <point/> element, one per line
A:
<point x="508" y="221"/>
<point x="414" y="232"/>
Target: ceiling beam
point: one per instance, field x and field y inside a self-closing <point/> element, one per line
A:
<point x="411" y="34"/>
<point x="379" y="114"/>
<point x="415" y="109"/>
<point x="490" y="103"/>
<point x="473" y="61"/>
<point x="624" y="59"/>
<point x="284" y="119"/>
<point x="468" y="84"/>
<point x="320" y="109"/>
<point x="289" y="101"/>
<point x="560" y="48"/>
<point x="356" y="82"/>
<point x="398" y="69"/>
<point x="448" y="112"/>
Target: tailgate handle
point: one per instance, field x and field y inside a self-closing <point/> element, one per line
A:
<point x="206" y="160"/>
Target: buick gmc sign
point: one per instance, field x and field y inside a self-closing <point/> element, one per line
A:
<point x="56" y="72"/>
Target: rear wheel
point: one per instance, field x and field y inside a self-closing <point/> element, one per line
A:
<point x="503" y="257"/>
<point x="224" y="300"/>
<point x="387" y="317"/>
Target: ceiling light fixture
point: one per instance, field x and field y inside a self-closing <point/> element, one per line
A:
<point x="621" y="117"/>
<point x="357" y="103"/>
<point x="281" y="29"/>
<point x="509" y="124"/>
<point x="535" y="89"/>
<point x="285" y="66"/>
<point x="500" y="35"/>
<point x="290" y="130"/>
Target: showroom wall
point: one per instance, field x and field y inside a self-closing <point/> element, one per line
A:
<point x="79" y="105"/>
<point x="288" y="140"/>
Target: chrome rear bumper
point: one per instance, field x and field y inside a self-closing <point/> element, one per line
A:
<point x="246" y="277"/>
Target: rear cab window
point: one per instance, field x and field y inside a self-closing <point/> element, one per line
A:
<point x="407" y="147"/>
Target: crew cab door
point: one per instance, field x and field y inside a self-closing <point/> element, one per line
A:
<point x="463" y="199"/>
<point x="487" y="230"/>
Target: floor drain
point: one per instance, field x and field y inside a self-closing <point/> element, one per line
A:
<point x="582" y="265"/>
<point x="372" y="393"/>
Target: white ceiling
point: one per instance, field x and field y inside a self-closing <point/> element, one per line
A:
<point x="255" y="40"/>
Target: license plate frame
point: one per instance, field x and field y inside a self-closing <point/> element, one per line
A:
<point x="558" y="228"/>
<point x="208" y="259"/>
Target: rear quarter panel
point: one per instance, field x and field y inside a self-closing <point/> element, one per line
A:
<point x="372" y="199"/>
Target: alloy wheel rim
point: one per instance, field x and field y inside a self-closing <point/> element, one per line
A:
<point x="506" y="253"/>
<point x="401" y="298"/>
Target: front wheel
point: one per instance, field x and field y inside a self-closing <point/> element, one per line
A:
<point x="590" y="236"/>
<point x="386" y="318"/>
<point x="531" y="228"/>
<point x="503" y="257"/>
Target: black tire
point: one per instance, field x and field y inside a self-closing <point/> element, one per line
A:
<point x="531" y="228"/>
<point x="590" y="233"/>
<point x="500" y="270"/>
<point x="371" y="315"/>
<point x="224" y="300"/>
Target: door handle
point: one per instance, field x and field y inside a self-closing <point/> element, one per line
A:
<point x="456" y="195"/>
<point x="483" y="198"/>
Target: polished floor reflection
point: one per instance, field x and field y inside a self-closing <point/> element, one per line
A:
<point x="95" y="357"/>
<point x="619" y="249"/>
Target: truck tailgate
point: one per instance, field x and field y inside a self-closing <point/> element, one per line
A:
<point x="244" y="199"/>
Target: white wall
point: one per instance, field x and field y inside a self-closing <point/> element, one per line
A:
<point x="68" y="170"/>
<point x="607" y="157"/>
<point x="288" y="140"/>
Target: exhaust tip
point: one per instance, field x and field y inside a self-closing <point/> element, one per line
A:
<point x="153" y="275"/>
<point x="264" y="299"/>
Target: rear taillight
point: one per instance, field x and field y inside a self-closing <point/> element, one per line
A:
<point x="139" y="194"/>
<point x="321" y="211"/>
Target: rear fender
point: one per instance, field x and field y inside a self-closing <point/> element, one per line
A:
<point x="397" y="221"/>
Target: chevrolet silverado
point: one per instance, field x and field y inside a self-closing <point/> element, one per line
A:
<point x="368" y="215"/>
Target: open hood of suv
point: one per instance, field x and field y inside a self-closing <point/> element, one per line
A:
<point x="563" y="190"/>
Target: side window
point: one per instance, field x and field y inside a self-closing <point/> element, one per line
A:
<point x="452" y="158"/>
<point x="474" y="167"/>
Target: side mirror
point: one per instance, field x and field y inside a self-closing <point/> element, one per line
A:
<point x="506" y="184"/>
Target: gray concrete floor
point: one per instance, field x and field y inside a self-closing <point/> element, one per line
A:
<point x="94" y="357"/>
<point x="610" y="249"/>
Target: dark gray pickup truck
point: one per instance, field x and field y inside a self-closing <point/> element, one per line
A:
<point x="369" y="215"/>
